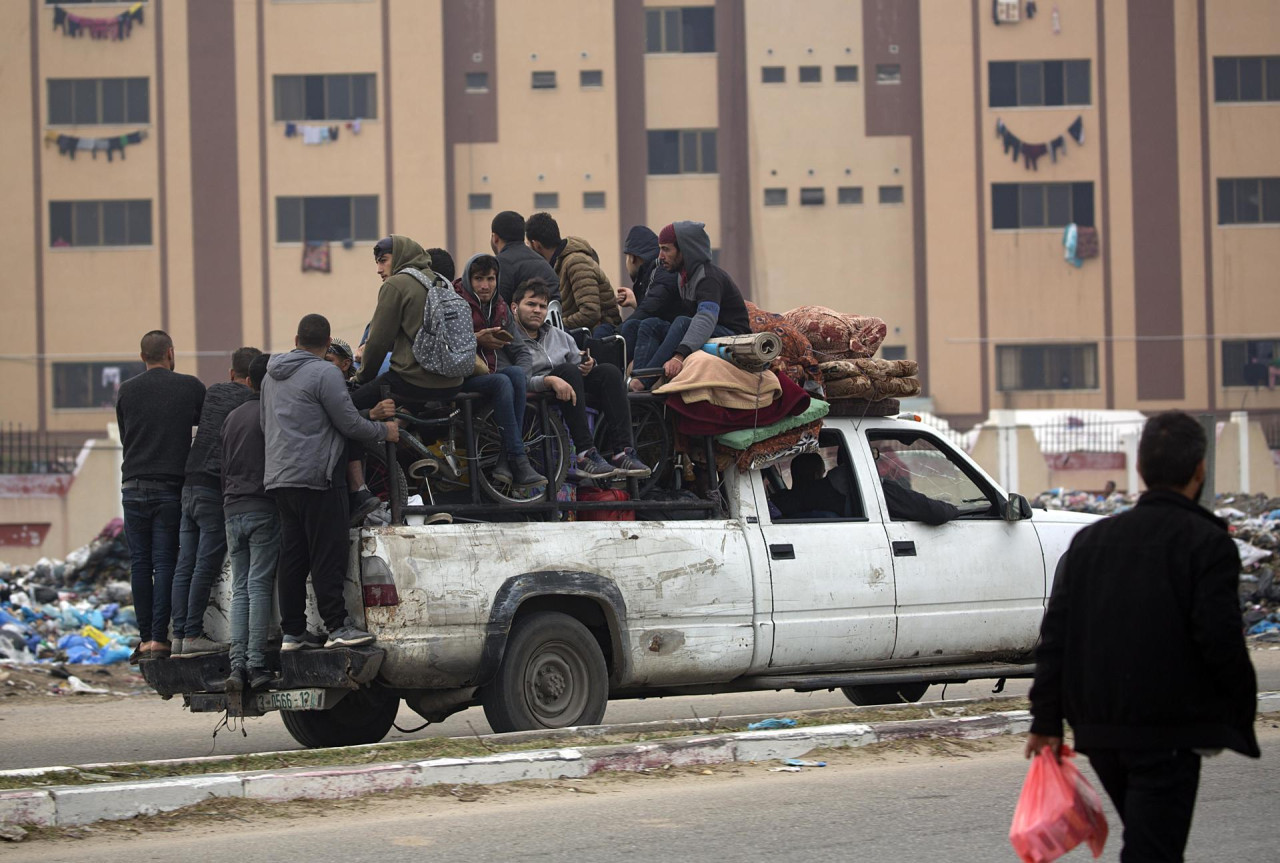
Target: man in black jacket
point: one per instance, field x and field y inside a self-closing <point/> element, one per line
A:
<point x="516" y="261"/>
<point x="654" y="291"/>
<point x="1142" y="650"/>
<point x="203" y="535"/>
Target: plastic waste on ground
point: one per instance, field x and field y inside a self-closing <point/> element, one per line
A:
<point x="769" y="724"/>
<point x="1057" y="810"/>
<point x="800" y="762"/>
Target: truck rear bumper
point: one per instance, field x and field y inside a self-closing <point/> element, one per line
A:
<point x="340" y="668"/>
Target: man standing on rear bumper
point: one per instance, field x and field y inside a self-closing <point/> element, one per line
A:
<point x="1148" y="694"/>
<point x="306" y="417"/>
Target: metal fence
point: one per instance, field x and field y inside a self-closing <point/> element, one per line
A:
<point x="1077" y="435"/>
<point x="31" y="451"/>
<point x="1270" y="422"/>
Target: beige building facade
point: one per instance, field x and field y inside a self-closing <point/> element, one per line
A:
<point x="840" y="152"/>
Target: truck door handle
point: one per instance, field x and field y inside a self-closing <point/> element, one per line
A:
<point x="906" y="548"/>
<point x="782" y="552"/>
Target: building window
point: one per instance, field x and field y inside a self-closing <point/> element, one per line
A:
<point x="891" y="194"/>
<point x="99" y="101"/>
<point x="1041" y="205"/>
<point x="1047" y="367"/>
<point x="775" y="197"/>
<point x="1249" y="201"/>
<point x="318" y="219"/>
<point x="849" y="195"/>
<point x="1247" y="362"/>
<point x="688" y="30"/>
<point x="480" y="201"/>
<point x="477" y="82"/>
<point x="813" y="197"/>
<point x="99" y="223"/>
<point x="888" y="73"/>
<point x="1246" y="79"/>
<point x="846" y="74"/>
<point x="546" y="200"/>
<point x="1038" y="82"/>
<point x="810" y="74"/>
<point x="893" y="352"/>
<point x="773" y="74"/>
<point x="591" y="78"/>
<point x="544" y="80"/>
<point x="326" y="97"/>
<point x="593" y="200"/>
<point x="91" y="385"/>
<point x="682" y="151"/>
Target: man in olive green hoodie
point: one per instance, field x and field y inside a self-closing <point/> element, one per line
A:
<point x="395" y="323"/>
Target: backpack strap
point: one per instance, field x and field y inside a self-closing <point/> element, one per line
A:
<point x="422" y="277"/>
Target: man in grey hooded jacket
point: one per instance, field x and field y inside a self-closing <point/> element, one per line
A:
<point x="307" y="416"/>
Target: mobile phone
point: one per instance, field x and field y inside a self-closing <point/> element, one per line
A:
<point x="503" y="336"/>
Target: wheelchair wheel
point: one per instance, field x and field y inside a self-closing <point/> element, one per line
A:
<point x="652" y="438"/>
<point x="489" y="445"/>
<point x="381" y="479"/>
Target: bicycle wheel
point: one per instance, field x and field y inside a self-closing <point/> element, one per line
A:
<point x="652" y="439"/>
<point x="379" y="478"/>
<point x="488" y="445"/>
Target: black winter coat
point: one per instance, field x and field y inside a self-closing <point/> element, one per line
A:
<point x="204" y="461"/>
<point x="1142" y="645"/>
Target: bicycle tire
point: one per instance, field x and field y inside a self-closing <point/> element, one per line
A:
<point x="376" y="474"/>
<point x="488" y="445"/>
<point x="652" y="438"/>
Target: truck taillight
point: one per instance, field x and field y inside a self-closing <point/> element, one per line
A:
<point x="380" y="595"/>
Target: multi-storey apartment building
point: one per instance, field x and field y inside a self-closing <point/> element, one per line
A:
<point x="920" y="160"/>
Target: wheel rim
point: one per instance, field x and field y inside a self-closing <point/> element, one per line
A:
<point x="555" y="685"/>
<point x="489" y="445"/>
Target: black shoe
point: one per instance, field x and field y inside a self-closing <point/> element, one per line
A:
<point x="236" y="682"/>
<point x="526" y="476"/>
<point x="363" y="502"/>
<point x="501" y="472"/>
<point x="261" y="678"/>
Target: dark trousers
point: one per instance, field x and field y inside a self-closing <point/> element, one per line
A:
<point x="1155" y="793"/>
<point x="313" y="538"/>
<point x="202" y="547"/>
<point x="151" y="520"/>
<point x="368" y="395"/>
<point x="603" y="390"/>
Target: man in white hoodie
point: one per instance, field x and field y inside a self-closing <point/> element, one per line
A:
<point x="558" y="366"/>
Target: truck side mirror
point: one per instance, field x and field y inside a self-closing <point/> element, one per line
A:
<point x="1016" y="508"/>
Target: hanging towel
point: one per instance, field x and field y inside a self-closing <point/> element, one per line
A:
<point x="1070" y="237"/>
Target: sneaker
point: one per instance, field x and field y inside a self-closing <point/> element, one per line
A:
<point x="363" y="502"/>
<point x="236" y="681"/>
<point x="261" y="678"/>
<point x="202" y="645"/>
<point x="628" y="463"/>
<point x="592" y="465"/>
<point x="348" y="635"/>
<point x="177" y="646"/>
<point x="501" y="473"/>
<point x="306" y="641"/>
<point x="526" y="476"/>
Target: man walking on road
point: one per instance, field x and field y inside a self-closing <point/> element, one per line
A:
<point x="1144" y="606"/>
<point x="306" y="418"/>
<point x="155" y="412"/>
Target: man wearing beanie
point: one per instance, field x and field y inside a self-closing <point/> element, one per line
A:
<point x="654" y="291"/>
<point x="710" y="303"/>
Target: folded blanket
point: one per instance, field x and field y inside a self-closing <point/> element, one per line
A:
<point x="744" y="438"/>
<point x="865" y="408"/>
<point x="705" y="418"/>
<point x="838" y="335"/>
<point x="705" y="378"/>
<point x="787" y="445"/>
<point x="797" y="360"/>
<point x="872" y="368"/>
<point x="863" y="387"/>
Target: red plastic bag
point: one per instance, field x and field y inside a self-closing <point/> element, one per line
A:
<point x="1057" y="810"/>
<point x="586" y="493"/>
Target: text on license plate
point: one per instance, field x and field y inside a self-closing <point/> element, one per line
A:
<point x="291" y="699"/>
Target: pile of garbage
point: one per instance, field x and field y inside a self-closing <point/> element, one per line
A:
<point x="78" y="610"/>
<point x="1254" y="522"/>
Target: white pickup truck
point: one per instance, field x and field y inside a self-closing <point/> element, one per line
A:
<point x="543" y="622"/>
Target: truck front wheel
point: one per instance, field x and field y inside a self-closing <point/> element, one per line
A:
<point x="553" y="675"/>
<point x="885" y="693"/>
<point x="363" y="716"/>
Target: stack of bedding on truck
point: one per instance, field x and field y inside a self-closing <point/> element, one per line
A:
<point x="854" y="382"/>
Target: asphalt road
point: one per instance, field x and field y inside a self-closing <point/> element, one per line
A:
<point x="88" y="729"/>
<point x="911" y="802"/>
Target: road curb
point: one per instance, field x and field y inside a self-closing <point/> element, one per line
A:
<point x="66" y="806"/>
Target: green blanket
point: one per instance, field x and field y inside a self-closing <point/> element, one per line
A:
<point x="743" y="438"/>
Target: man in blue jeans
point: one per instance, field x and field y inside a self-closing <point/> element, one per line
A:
<point x="253" y="537"/>
<point x="155" y="412"/>
<point x="203" y="535"/>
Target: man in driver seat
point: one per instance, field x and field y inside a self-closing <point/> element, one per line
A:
<point x="905" y="503"/>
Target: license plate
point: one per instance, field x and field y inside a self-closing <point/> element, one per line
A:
<point x="291" y="699"/>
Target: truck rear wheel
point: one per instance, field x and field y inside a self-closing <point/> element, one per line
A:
<point x="553" y="675"/>
<point x="885" y="693"/>
<point x="362" y="716"/>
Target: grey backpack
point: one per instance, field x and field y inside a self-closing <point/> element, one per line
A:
<point x="446" y="343"/>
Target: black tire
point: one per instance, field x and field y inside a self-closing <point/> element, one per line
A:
<point x="885" y="693"/>
<point x="380" y="480"/>
<point x="553" y="675"/>
<point x="489" y="445"/>
<point x="363" y="716"/>
<point x="652" y="438"/>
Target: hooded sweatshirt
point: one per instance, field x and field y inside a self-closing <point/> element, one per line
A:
<point x="707" y="294"/>
<point x="398" y="318"/>
<point x="494" y="313"/>
<point x="307" y="415"/>
<point x="657" y="290"/>
<point x="518" y="263"/>
<point x="552" y="347"/>
<point x="586" y="295"/>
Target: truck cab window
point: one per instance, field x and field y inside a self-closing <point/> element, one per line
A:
<point x="815" y="486"/>
<point x="923" y="482"/>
